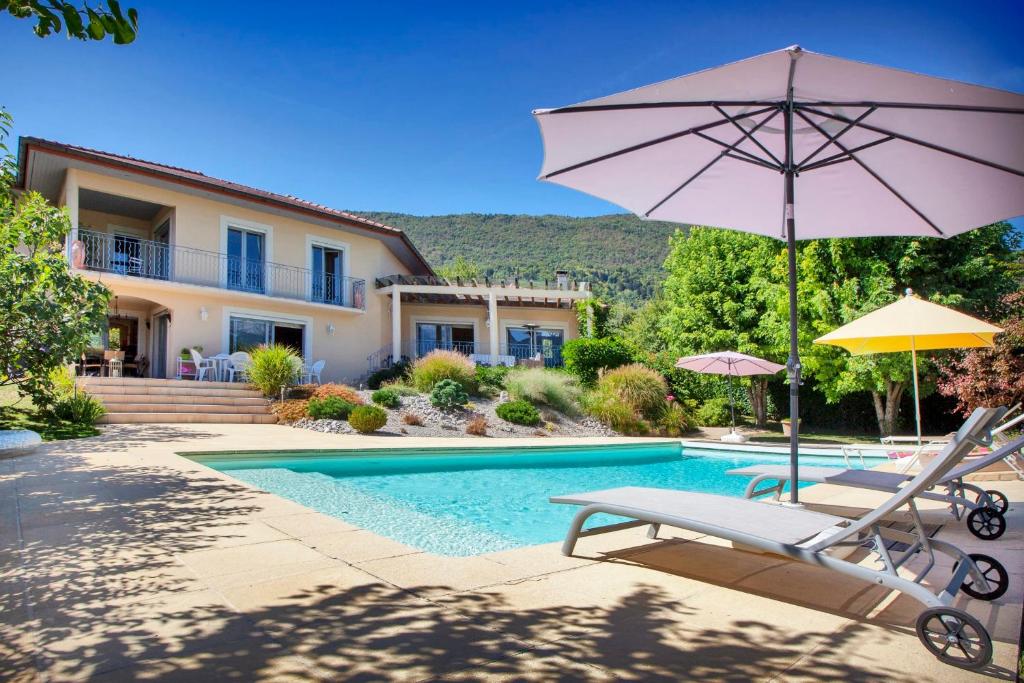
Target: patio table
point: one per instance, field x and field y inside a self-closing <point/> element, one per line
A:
<point x="220" y="361"/>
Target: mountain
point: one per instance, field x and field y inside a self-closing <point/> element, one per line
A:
<point x="619" y="254"/>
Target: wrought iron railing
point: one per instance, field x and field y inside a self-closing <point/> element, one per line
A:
<point x="158" y="261"/>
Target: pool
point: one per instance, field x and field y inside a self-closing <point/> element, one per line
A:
<point x="467" y="501"/>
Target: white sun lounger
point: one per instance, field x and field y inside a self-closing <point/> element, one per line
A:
<point x="952" y="635"/>
<point x="985" y="509"/>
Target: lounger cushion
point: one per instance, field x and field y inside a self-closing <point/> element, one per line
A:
<point x="772" y="522"/>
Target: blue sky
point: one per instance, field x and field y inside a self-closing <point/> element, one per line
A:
<point x="425" y="107"/>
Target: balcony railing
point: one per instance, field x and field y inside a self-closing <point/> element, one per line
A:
<point x="550" y="354"/>
<point x="158" y="261"/>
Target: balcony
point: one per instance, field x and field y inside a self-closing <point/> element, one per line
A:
<point x="152" y="260"/>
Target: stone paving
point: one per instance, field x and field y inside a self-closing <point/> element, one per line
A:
<point x="120" y="560"/>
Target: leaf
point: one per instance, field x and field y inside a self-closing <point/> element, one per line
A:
<point x="96" y="28"/>
<point x="73" y="21"/>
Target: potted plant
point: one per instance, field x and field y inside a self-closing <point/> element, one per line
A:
<point x="185" y="364"/>
<point x="787" y="426"/>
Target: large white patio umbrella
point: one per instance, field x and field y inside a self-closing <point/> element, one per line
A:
<point x="848" y="149"/>
<point x="912" y="324"/>
<point x="733" y="364"/>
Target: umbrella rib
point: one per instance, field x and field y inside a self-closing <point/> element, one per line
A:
<point x="829" y="139"/>
<point x="648" y="143"/>
<point x="647" y="214"/>
<point x="588" y="108"/>
<point x="749" y="136"/>
<point x="922" y="143"/>
<point x="844" y="156"/>
<point x="914" y="105"/>
<point x="747" y="156"/>
<point x="877" y="177"/>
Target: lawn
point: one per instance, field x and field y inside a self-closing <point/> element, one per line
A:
<point x="19" y="413"/>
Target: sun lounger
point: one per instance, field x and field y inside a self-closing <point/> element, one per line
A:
<point x="985" y="509"/>
<point x="952" y="635"/>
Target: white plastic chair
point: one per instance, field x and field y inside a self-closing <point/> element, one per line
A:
<point x="203" y="365"/>
<point x="313" y="372"/>
<point x="238" y="365"/>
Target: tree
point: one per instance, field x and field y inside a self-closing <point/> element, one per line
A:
<point x="989" y="377"/>
<point x="718" y="296"/>
<point x="840" y="280"/>
<point x="85" y="23"/>
<point x="47" y="313"/>
<point x="460" y="269"/>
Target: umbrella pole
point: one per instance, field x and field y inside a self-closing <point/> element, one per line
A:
<point x="732" y="408"/>
<point x="917" y="396"/>
<point x="793" y="362"/>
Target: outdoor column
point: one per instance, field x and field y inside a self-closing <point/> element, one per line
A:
<point x="396" y="325"/>
<point x="492" y="315"/>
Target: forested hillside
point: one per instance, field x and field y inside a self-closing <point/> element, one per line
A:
<point x="620" y="254"/>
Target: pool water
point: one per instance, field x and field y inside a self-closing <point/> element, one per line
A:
<point x="462" y="502"/>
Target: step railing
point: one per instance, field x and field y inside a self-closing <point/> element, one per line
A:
<point x="152" y="260"/>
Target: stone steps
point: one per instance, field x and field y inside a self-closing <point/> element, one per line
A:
<point x="133" y="400"/>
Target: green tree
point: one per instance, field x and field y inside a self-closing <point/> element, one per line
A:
<point x="718" y="296"/>
<point x="84" y="23"/>
<point x="47" y="314"/>
<point x="460" y="269"/>
<point x="840" y="280"/>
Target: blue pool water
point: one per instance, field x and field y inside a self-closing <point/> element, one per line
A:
<point x="467" y="502"/>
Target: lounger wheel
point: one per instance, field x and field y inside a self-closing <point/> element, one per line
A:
<point x="955" y="637"/>
<point x="988" y="524"/>
<point x="995" y="575"/>
<point x="998" y="501"/>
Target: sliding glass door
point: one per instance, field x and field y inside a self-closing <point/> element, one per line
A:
<point x="450" y="337"/>
<point x="245" y="334"/>
<point x="529" y="341"/>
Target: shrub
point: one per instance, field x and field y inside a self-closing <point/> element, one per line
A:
<point x="291" y="410"/>
<point x="401" y="389"/>
<point x="610" y="409"/>
<point x="61" y="381"/>
<point x="448" y="394"/>
<point x="639" y="387"/>
<point x="714" y="413"/>
<point x="330" y="408"/>
<point x="79" y="408"/>
<point x="550" y="387"/>
<point x="412" y="419"/>
<point x="488" y="377"/>
<point x="273" y="368"/>
<point x="341" y="391"/>
<point x="477" y="426"/>
<point x="519" y="412"/>
<point x="366" y="419"/>
<point x="395" y="373"/>
<point x="388" y="398"/>
<point x="677" y="420"/>
<point x="438" y="365"/>
<point x="583" y="357"/>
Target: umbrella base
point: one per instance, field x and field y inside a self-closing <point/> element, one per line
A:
<point x="734" y="437"/>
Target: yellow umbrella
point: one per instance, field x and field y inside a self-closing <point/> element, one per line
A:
<point x="911" y="324"/>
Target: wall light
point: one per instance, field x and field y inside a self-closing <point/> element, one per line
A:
<point x="203" y="313"/>
<point x="330" y="329"/>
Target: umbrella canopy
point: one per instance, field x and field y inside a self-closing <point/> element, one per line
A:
<point x="873" y="150"/>
<point x="729" y="363"/>
<point x="732" y="364"/>
<point x="912" y="324"/>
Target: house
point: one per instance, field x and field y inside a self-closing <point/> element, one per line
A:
<point x="195" y="261"/>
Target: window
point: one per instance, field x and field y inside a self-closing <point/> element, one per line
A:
<point x="245" y="260"/>
<point x="450" y="337"/>
<point x="328" y="275"/>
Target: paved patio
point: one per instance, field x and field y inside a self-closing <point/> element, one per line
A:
<point x="120" y="560"/>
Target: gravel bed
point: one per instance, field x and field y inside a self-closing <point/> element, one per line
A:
<point x="452" y="423"/>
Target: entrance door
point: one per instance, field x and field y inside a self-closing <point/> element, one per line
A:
<point x="159" y="367"/>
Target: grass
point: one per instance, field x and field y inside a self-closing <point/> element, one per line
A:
<point x="17" y="412"/>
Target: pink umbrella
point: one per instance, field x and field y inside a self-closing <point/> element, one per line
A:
<point x="842" y="148"/>
<point x="732" y="364"/>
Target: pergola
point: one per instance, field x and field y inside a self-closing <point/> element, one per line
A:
<point x="435" y="290"/>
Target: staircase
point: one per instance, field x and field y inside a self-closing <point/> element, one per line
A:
<point x="130" y="399"/>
